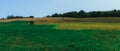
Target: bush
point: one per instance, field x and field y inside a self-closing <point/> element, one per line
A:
<point x="31" y="22"/>
<point x="31" y="16"/>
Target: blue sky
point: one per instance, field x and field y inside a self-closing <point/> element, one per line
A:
<point x="41" y="8"/>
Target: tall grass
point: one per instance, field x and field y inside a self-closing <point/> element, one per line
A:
<point x="20" y="36"/>
<point x="89" y="25"/>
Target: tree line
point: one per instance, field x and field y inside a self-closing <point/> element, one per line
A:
<point x="13" y="17"/>
<point x="83" y="14"/>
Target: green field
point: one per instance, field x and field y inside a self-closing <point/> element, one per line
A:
<point x="21" y="36"/>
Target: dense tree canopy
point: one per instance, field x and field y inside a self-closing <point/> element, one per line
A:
<point x="12" y="17"/>
<point x="83" y="14"/>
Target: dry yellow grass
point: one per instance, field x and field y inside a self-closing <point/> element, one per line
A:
<point x="54" y="19"/>
<point x="19" y="19"/>
<point x="90" y="25"/>
<point x="76" y="23"/>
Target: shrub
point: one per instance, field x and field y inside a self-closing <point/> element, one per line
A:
<point x="31" y="22"/>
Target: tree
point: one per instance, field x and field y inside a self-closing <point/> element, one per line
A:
<point x="81" y="14"/>
<point x="48" y="16"/>
<point x="55" y="15"/>
<point x="2" y="18"/>
<point x="31" y="16"/>
<point x="71" y="14"/>
<point x="10" y="16"/>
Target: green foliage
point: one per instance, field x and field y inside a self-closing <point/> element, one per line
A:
<point x="70" y="14"/>
<point x="56" y="15"/>
<point x="20" y="36"/>
<point x="31" y="16"/>
<point x="13" y="17"/>
<point x="10" y="17"/>
<point x="32" y="22"/>
<point x="83" y="14"/>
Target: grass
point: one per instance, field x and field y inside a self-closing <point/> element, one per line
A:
<point x="21" y="36"/>
<point x="90" y="25"/>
